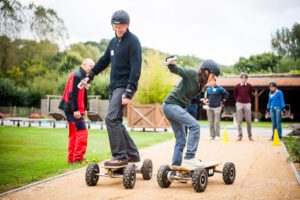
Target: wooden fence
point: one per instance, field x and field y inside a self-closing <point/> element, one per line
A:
<point x="146" y="116"/>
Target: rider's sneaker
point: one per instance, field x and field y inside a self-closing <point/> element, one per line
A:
<point x="116" y="162"/>
<point x="211" y="138"/>
<point x="217" y="138"/>
<point x="191" y="162"/>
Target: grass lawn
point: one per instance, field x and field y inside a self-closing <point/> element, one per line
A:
<point x="31" y="154"/>
<point x="293" y="146"/>
<point x="264" y="124"/>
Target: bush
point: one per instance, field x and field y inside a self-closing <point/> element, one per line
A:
<point x="12" y="95"/>
<point x="156" y="81"/>
<point x="70" y="60"/>
<point x="287" y="64"/>
<point x="100" y="86"/>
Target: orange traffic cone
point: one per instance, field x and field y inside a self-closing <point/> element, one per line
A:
<point x="225" y="139"/>
<point x="276" y="140"/>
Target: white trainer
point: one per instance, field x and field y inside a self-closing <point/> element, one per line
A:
<point x="191" y="162"/>
<point x="211" y="138"/>
<point x="217" y="138"/>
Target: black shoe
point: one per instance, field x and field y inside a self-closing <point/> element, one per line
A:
<point x="134" y="159"/>
<point x="116" y="162"/>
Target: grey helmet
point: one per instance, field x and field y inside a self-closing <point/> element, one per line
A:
<point x="211" y="66"/>
<point x="120" y="17"/>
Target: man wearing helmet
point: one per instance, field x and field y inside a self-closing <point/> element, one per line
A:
<point x="174" y="108"/>
<point x="124" y="54"/>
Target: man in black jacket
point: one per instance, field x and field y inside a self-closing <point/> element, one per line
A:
<point x="124" y="53"/>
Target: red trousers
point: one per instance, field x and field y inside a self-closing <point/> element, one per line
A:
<point x="77" y="143"/>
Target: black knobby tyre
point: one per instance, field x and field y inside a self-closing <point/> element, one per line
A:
<point x="200" y="179"/>
<point x="129" y="177"/>
<point x="229" y="173"/>
<point x="147" y="169"/>
<point x="162" y="176"/>
<point x="92" y="174"/>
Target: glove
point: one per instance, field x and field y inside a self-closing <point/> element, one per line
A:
<point x="129" y="92"/>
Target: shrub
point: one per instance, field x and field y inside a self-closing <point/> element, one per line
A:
<point x="156" y="81"/>
<point x="100" y="86"/>
<point x="293" y="146"/>
<point x="12" y="95"/>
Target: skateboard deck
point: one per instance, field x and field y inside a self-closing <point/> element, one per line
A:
<point x="203" y="164"/>
<point x="113" y="167"/>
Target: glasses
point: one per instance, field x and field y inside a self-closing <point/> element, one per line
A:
<point x="118" y="27"/>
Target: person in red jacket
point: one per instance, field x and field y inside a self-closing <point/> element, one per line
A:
<point x="74" y="103"/>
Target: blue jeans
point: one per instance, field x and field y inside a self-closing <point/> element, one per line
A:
<point x="179" y="119"/>
<point x="276" y="121"/>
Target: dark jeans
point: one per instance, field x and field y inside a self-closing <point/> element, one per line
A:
<point x="276" y="121"/>
<point x="121" y="144"/>
<point x="179" y="119"/>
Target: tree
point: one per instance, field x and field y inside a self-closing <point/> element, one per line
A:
<point x="266" y="62"/>
<point x="44" y="23"/>
<point x="11" y="17"/>
<point x="70" y="61"/>
<point x="102" y="45"/>
<point x="21" y="60"/>
<point x="286" y="42"/>
<point x="86" y="50"/>
<point x="156" y="81"/>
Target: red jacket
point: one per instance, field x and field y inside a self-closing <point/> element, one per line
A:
<point x="74" y="99"/>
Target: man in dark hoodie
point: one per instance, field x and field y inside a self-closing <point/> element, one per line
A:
<point x="124" y="54"/>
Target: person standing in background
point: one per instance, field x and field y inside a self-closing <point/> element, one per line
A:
<point x="74" y="104"/>
<point x="242" y="95"/>
<point x="275" y="106"/>
<point x="216" y="95"/>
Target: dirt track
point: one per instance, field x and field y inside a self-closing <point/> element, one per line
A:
<point x="262" y="173"/>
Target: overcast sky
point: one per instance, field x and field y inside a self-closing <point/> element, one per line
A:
<point x="215" y="29"/>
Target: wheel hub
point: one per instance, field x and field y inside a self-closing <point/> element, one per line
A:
<point x="202" y="179"/>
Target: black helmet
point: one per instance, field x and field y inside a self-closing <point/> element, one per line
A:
<point x="120" y="17"/>
<point x="244" y="75"/>
<point x="212" y="66"/>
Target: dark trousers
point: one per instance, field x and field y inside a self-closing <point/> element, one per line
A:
<point x="121" y="144"/>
